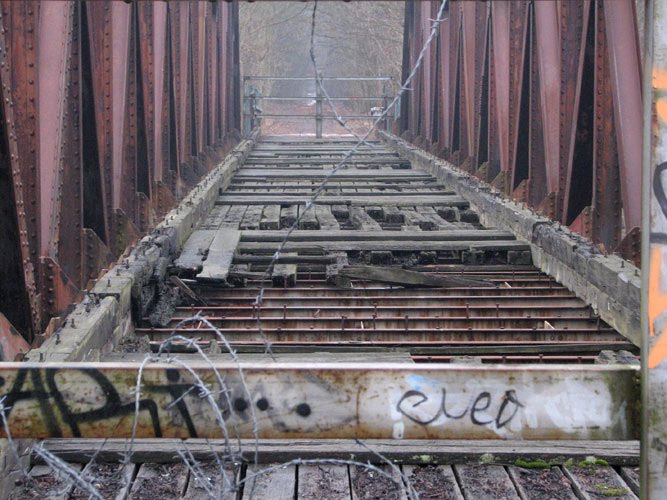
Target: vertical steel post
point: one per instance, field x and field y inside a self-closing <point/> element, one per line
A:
<point x="248" y="109"/>
<point x="654" y="255"/>
<point x="318" y="109"/>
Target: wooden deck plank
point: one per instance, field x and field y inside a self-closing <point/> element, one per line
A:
<point x="433" y="482"/>
<point x="597" y="482"/>
<point x="111" y="480"/>
<point x="215" y="217"/>
<point x="326" y="218"/>
<point x="220" y="256"/>
<point x="330" y="482"/>
<point x="542" y="483"/>
<point x="195" y="249"/>
<point x="270" y="218"/>
<point x="394" y="200"/>
<point x="365" y="235"/>
<point x="308" y="219"/>
<point x="387" y="245"/>
<point x="362" y="221"/>
<point x="167" y="481"/>
<point x="278" y="484"/>
<point x="485" y="481"/>
<point x="209" y="481"/>
<point x="45" y="483"/>
<point x="251" y="218"/>
<point x="528" y="402"/>
<point x="288" y="215"/>
<point x="368" y="484"/>
<point x="631" y="477"/>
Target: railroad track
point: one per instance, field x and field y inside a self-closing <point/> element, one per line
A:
<point x="391" y="312"/>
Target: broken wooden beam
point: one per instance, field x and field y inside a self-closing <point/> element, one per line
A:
<point x="396" y="276"/>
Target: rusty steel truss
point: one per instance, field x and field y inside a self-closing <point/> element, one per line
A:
<point x="110" y="112"/>
<point x="541" y="99"/>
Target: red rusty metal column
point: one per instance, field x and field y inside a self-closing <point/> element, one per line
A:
<point x="654" y="255"/>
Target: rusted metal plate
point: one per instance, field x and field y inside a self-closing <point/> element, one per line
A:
<point x="319" y="401"/>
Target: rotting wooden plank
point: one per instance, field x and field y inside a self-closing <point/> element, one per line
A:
<point x="251" y="217"/>
<point x="215" y="217"/>
<point x="270" y="218"/>
<point x="485" y="481"/>
<point x="220" y="256"/>
<point x="324" y="401"/>
<point x="288" y="215"/>
<point x="234" y="217"/>
<point x="431" y="482"/>
<point x="407" y="451"/>
<point x="195" y="249"/>
<point x="284" y="275"/>
<point x="330" y="482"/>
<point x="393" y="215"/>
<point x="595" y="482"/>
<point x="631" y="477"/>
<point x="345" y="174"/>
<point x="354" y="200"/>
<point x="340" y="212"/>
<point x="276" y="484"/>
<point x="111" y="480"/>
<point x="542" y="483"/>
<point x="311" y="357"/>
<point x="326" y="218"/>
<point x="369" y="484"/>
<point x="45" y="483"/>
<point x="397" y="276"/>
<point x="365" y="235"/>
<point x="362" y="221"/>
<point x="388" y="244"/>
<point x="166" y="481"/>
<point x="308" y="219"/>
<point x="210" y="481"/>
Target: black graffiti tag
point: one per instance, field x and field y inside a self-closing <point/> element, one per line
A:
<point x="475" y="409"/>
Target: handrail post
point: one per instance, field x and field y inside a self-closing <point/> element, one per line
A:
<point x="318" y="108"/>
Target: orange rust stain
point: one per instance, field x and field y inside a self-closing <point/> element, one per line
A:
<point x="657" y="304"/>
<point x="659" y="78"/>
<point x="661" y="109"/>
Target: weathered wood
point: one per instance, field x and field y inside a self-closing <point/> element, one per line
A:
<point x="393" y="215"/>
<point x="396" y="276"/>
<point x="594" y="482"/>
<point x="330" y="482"/>
<point x="340" y="212"/>
<point x="631" y="477"/>
<point x="111" y="480"/>
<point x="359" y="201"/>
<point x="485" y="481"/>
<point x="284" y="275"/>
<point x="362" y="221"/>
<point x="220" y="256"/>
<point x="311" y="400"/>
<point x="195" y="249"/>
<point x="406" y="451"/>
<point x="276" y="484"/>
<point x="288" y="215"/>
<point x="252" y="217"/>
<point x="210" y="481"/>
<point x="541" y="483"/>
<point x="308" y="218"/>
<point x="45" y="483"/>
<point x="388" y="244"/>
<point x="215" y="217"/>
<point x="234" y="216"/>
<point x="344" y="174"/>
<point x="169" y="479"/>
<point x="365" y="235"/>
<point x="270" y="218"/>
<point x="433" y="481"/>
<point x="369" y="484"/>
<point x="377" y="212"/>
<point x="283" y="357"/>
<point x="326" y="218"/>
